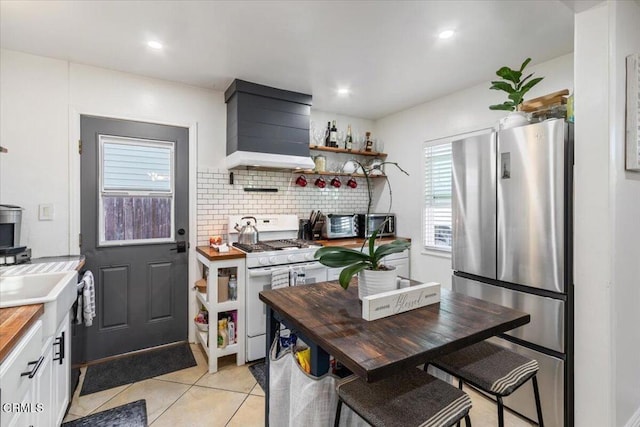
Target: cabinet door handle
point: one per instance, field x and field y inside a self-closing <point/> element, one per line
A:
<point x="33" y="370"/>
<point x="59" y="356"/>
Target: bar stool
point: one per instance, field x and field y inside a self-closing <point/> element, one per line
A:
<point x="410" y="398"/>
<point x="492" y="369"/>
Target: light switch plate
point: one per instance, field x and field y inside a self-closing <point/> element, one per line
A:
<point x="45" y="212"/>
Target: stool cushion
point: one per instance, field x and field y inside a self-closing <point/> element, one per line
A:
<point x="490" y="367"/>
<point x="411" y="398"/>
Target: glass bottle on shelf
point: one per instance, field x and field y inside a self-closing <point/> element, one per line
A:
<point x="327" y="135"/>
<point x="368" y="142"/>
<point x="333" y="135"/>
<point x="348" y="140"/>
<point x="233" y="287"/>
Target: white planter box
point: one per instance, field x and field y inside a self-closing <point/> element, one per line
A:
<point x="393" y="302"/>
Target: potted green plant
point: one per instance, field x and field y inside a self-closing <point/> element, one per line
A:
<point x="373" y="275"/>
<point x="516" y="87"/>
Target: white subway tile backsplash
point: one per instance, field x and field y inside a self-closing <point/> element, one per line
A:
<point x="217" y="199"/>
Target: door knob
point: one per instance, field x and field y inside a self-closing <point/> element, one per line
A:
<point x="181" y="246"/>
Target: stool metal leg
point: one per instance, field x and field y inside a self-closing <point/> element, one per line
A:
<point x="536" y="393"/>
<point x="467" y="420"/>
<point x="500" y="412"/>
<point x="336" y="423"/>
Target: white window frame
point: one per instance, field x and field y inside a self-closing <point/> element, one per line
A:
<point x="440" y="250"/>
<point x="102" y="192"/>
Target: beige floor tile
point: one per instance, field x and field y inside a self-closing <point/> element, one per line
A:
<point x="159" y="395"/>
<point x="484" y="413"/>
<point x="257" y="390"/>
<point x="250" y="414"/>
<point x="201" y="406"/>
<point x="189" y="375"/>
<point x="84" y="405"/>
<point x="229" y="377"/>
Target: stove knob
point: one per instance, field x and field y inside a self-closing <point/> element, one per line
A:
<point x="263" y="261"/>
<point x="272" y="259"/>
<point x="291" y="258"/>
<point x="308" y="256"/>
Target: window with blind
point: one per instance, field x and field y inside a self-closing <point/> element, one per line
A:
<point x="437" y="195"/>
<point x="136" y="190"/>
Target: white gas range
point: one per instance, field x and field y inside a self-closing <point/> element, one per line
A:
<point x="278" y="258"/>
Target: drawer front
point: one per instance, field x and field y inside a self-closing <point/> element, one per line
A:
<point x="28" y="349"/>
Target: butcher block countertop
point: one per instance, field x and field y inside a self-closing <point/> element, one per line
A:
<point x="213" y="255"/>
<point x="356" y="242"/>
<point x="14" y="322"/>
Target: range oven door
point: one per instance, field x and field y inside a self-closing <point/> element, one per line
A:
<point x="259" y="279"/>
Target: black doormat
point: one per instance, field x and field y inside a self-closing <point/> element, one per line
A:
<point x="137" y="367"/>
<point x="132" y="414"/>
<point x="258" y="370"/>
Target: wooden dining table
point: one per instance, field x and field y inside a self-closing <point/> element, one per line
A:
<point x="329" y="320"/>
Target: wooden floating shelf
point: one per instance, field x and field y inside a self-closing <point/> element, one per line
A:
<point x="355" y="175"/>
<point x="345" y="151"/>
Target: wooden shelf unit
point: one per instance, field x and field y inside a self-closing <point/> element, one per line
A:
<point x="209" y="340"/>
<point x="345" y="151"/>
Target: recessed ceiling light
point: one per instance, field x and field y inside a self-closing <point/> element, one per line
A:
<point x="446" y="34"/>
<point x="343" y="91"/>
<point x="154" y="44"/>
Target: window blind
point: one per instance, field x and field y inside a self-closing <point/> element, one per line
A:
<point x="437" y="196"/>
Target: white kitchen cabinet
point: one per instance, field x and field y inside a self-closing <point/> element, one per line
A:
<point x="61" y="368"/>
<point x="34" y="378"/>
<point x="209" y="340"/>
<point x="18" y="379"/>
<point x="43" y="388"/>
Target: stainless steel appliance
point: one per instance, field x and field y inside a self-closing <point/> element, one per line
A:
<point x="10" y="226"/>
<point x="338" y="226"/>
<point x="279" y="255"/>
<point x="512" y="244"/>
<point x="368" y="223"/>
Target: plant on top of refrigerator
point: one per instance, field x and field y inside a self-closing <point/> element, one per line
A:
<point x="516" y="86"/>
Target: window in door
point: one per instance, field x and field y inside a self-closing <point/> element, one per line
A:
<point x="136" y="202"/>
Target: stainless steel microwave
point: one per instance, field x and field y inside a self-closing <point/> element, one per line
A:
<point x="337" y="226"/>
<point x="368" y="223"/>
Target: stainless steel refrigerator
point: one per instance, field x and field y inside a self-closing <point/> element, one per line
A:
<point x="512" y="245"/>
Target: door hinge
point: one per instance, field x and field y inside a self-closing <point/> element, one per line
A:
<point x="80" y="239"/>
<point x="79" y="146"/>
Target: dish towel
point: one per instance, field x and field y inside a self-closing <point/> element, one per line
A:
<point x="280" y="278"/>
<point x="88" y="299"/>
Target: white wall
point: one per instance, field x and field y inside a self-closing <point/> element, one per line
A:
<point x="34" y="108"/>
<point x="592" y="233"/>
<point x="625" y="33"/>
<point x="460" y="112"/>
<point x="607" y="214"/>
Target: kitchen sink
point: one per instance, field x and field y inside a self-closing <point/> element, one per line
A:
<point x="57" y="291"/>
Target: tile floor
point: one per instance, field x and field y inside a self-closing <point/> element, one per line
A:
<point x="231" y="397"/>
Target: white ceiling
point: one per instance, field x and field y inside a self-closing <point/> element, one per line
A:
<point x="386" y="52"/>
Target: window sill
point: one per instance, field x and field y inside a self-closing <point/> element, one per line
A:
<point x="440" y="253"/>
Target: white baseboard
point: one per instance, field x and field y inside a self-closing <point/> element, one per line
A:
<point x="634" y="421"/>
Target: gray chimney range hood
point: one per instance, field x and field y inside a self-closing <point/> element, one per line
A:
<point x="267" y="127"/>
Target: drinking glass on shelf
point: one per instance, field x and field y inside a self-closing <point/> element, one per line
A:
<point x="360" y="141"/>
<point x="319" y="136"/>
<point x="341" y="135"/>
<point x="378" y="145"/>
